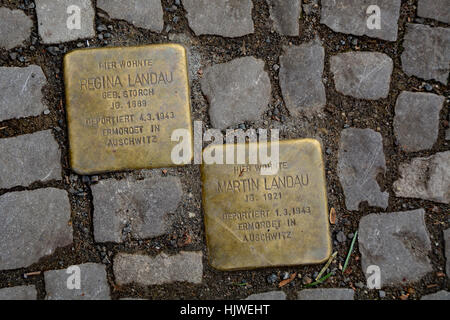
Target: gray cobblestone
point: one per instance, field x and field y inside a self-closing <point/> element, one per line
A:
<point x="237" y="91"/>
<point x="434" y="9"/>
<point x="398" y="243"/>
<point x="301" y="78"/>
<point x="427" y="52"/>
<point x="52" y="19"/>
<point x="32" y="225"/>
<point x="363" y="75"/>
<point x="425" y="178"/>
<point x="29" y="158"/>
<point x="18" y="293"/>
<point x="21" y="92"/>
<point x="416" y="121"/>
<point x="93" y="284"/>
<point x="218" y="17"/>
<point x="271" y="295"/>
<point x="146" y="270"/>
<point x="147" y="14"/>
<point x="15" y="28"/>
<point x="440" y="295"/>
<point x="326" y="294"/>
<point x="350" y="16"/>
<point x="138" y="208"/>
<point x="361" y="159"/>
<point x="285" y="16"/>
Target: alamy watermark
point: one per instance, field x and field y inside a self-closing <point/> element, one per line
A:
<point x="235" y="151"/>
<point x="74" y="19"/>
<point x="373" y="273"/>
<point x="374" y="19"/>
<point x="74" y="280"/>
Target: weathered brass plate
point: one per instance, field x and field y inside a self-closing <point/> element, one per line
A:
<point x="255" y="220"/>
<point x="123" y="105"/>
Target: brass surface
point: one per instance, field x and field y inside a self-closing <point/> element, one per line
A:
<point x="254" y="220"/>
<point x="123" y="105"/>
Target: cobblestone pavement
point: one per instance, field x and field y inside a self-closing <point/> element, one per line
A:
<point x="376" y="99"/>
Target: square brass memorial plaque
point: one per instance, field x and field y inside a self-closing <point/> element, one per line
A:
<point x="254" y="220"/>
<point x="123" y="105"/>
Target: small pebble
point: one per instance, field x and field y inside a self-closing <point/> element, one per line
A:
<point x="341" y="237"/>
<point x="428" y="87"/>
<point x="285" y="275"/>
<point x="272" y="278"/>
<point x="53" y="50"/>
<point x="102" y="28"/>
<point x="306" y="280"/>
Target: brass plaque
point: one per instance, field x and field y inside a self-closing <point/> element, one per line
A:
<point x="123" y="105"/>
<point x="254" y="220"/>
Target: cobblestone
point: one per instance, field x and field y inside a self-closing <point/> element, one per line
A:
<point x="272" y="295"/>
<point x="326" y="294"/>
<point x="350" y="16"/>
<point x="427" y="52"/>
<point x="18" y="293"/>
<point x="146" y="270"/>
<point x="363" y="75"/>
<point x="53" y="20"/>
<point x="440" y="295"/>
<point x="15" y="28"/>
<point x="416" y="121"/>
<point x="426" y="178"/>
<point x="285" y="16"/>
<point x="33" y="224"/>
<point x="301" y="78"/>
<point x="237" y="91"/>
<point x="29" y="158"/>
<point x="93" y="284"/>
<point x="147" y="14"/>
<point x="218" y="17"/>
<point x="398" y="243"/>
<point x="139" y="209"/>
<point x="361" y="159"/>
<point x="24" y="88"/>
<point x="434" y="9"/>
